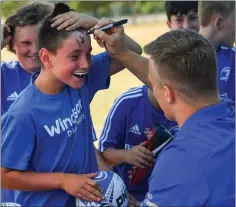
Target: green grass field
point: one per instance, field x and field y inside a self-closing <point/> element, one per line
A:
<point x="120" y="82"/>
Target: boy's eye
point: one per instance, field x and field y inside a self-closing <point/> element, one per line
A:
<point x="74" y="57"/>
<point x="193" y="17"/>
<point x="179" y="20"/>
<point x="26" y="43"/>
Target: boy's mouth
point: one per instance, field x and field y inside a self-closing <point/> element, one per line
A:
<point x="80" y="74"/>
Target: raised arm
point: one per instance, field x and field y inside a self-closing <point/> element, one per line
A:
<point x="72" y="20"/>
<point x="117" y="47"/>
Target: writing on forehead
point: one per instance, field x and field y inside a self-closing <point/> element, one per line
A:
<point x="78" y="42"/>
<point x="81" y="41"/>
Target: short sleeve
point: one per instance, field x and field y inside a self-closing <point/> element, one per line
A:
<point x="18" y="141"/>
<point x="177" y="180"/>
<point x="98" y="76"/>
<point x="113" y="133"/>
<point x="94" y="133"/>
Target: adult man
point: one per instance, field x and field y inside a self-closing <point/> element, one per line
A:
<point x="183" y="76"/>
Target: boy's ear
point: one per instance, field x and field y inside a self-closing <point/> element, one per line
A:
<point x="218" y="23"/>
<point x="168" y="24"/>
<point x="44" y="56"/>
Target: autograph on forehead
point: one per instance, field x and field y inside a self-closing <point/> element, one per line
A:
<point x="82" y="41"/>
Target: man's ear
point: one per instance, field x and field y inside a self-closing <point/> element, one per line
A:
<point x="168" y="23"/>
<point x="169" y="94"/>
<point x="44" y="56"/>
<point x="217" y="23"/>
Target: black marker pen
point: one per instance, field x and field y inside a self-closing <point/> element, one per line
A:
<point x="114" y="24"/>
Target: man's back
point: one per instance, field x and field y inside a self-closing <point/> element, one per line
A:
<point x="197" y="168"/>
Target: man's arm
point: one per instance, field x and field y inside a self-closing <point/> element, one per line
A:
<point x="117" y="47"/>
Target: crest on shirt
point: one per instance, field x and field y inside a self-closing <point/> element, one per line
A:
<point x="224" y="74"/>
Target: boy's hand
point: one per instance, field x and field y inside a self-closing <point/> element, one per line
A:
<point x="82" y="186"/>
<point x="139" y="156"/>
<point x="132" y="201"/>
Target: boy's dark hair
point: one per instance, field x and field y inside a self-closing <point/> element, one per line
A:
<point x="180" y="7"/>
<point x="51" y="38"/>
<point x="188" y="61"/>
<point x="208" y="8"/>
<point x="31" y="14"/>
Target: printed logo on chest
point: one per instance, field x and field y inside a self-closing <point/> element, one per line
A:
<point x="68" y="124"/>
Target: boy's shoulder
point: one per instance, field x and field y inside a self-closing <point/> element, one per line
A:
<point x="23" y="102"/>
<point x="131" y="98"/>
<point x="9" y="66"/>
<point x="226" y="51"/>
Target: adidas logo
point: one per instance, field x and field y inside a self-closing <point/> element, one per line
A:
<point x="12" y="97"/>
<point x="134" y="129"/>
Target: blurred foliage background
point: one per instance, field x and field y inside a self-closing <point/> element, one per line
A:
<point x="96" y="8"/>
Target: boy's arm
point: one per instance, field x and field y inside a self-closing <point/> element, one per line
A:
<point x="112" y="140"/>
<point x="81" y="186"/>
<point x="102" y="164"/>
<point x="18" y="144"/>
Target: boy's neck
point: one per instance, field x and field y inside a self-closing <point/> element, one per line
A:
<point x="209" y="34"/>
<point x="48" y="84"/>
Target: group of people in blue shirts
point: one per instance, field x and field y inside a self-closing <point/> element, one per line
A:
<point x="48" y="156"/>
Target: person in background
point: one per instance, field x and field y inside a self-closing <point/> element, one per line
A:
<point x="217" y="24"/>
<point x="182" y="15"/>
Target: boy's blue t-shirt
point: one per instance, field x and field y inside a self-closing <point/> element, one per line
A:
<point x="14" y="79"/>
<point x="130" y="116"/>
<point x="52" y="133"/>
<point x="226" y="72"/>
<point x="198" y="167"/>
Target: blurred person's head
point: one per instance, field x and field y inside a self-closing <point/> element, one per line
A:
<point x="65" y="55"/>
<point x="24" y="25"/>
<point x="182" y="71"/>
<point x="182" y="15"/>
<point x="217" y="21"/>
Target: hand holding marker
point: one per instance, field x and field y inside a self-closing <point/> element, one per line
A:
<point x="114" y="24"/>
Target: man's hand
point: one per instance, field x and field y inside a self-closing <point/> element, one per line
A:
<point x="72" y="20"/>
<point x="112" y="39"/>
<point x="6" y="35"/>
<point x="82" y="186"/>
<point x="139" y="156"/>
